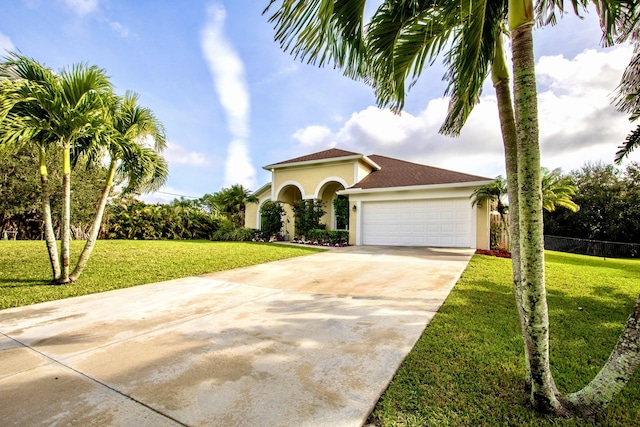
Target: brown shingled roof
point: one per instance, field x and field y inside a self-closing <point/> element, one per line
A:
<point x="332" y="153"/>
<point x="398" y="173"/>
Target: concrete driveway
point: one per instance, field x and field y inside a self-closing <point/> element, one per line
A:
<point x="309" y="341"/>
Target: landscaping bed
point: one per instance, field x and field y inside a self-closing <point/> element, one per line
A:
<point x="494" y="252"/>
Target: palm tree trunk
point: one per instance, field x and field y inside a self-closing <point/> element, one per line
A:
<point x="66" y="215"/>
<point x="534" y="298"/>
<point x="500" y="77"/>
<point x="614" y="375"/>
<point x="50" y="236"/>
<point x="95" y="228"/>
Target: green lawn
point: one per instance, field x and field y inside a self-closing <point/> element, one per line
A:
<point x="467" y="368"/>
<point x="25" y="270"/>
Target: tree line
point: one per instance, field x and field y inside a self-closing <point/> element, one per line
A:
<point x="609" y="200"/>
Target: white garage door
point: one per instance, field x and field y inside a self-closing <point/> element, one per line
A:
<point x="438" y="222"/>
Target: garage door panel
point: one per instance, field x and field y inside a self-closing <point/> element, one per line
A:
<point x="437" y="222"/>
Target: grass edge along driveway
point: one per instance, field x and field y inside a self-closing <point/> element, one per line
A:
<point x="25" y="271"/>
<point x="467" y="368"/>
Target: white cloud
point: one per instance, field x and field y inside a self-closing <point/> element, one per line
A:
<point x="175" y="153"/>
<point x="315" y="136"/>
<point x="5" y="44"/>
<point x="577" y="122"/>
<point x="227" y="70"/>
<point x="119" y="28"/>
<point x="82" y="7"/>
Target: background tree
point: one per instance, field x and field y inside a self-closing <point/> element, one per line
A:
<point x="20" y="204"/>
<point x="609" y="200"/>
<point x="231" y="203"/>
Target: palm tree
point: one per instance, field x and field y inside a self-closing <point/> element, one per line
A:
<point x="59" y="109"/>
<point x="324" y="31"/>
<point x="494" y="194"/>
<point x="557" y="190"/>
<point x="231" y="202"/>
<point x="142" y="168"/>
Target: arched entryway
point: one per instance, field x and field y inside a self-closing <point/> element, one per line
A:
<point x="327" y="192"/>
<point x="287" y="195"/>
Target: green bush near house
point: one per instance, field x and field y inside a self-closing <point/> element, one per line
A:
<point x="334" y="237"/>
<point x="307" y="213"/>
<point x="271" y="214"/>
<point x="230" y="232"/>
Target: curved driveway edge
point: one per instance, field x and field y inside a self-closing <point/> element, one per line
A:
<point x="308" y="341"/>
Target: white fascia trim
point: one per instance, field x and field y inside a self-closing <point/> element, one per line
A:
<point x="263" y="188"/>
<point x="413" y="187"/>
<point x="331" y="160"/>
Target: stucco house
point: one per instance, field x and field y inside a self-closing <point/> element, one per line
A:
<point x="391" y="201"/>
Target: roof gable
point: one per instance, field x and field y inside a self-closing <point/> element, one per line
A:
<point x="333" y="153"/>
<point x="400" y="173"/>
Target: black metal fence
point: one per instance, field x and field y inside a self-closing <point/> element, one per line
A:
<point x="599" y="248"/>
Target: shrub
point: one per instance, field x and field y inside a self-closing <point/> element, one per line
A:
<point x="341" y="209"/>
<point x="334" y="237"/>
<point x="307" y="214"/>
<point x="271" y="214"/>
<point x="229" y="232"/>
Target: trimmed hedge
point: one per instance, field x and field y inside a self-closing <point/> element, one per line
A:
<point x="334" y="237"/>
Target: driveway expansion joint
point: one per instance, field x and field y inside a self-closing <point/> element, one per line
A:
<point x="93" y="380"/>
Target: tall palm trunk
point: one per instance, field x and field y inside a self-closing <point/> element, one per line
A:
<point x="95" y="228"/>
<point x="614" y="375"/>
<point x="534" y="298"/>
<point x="66" y="214"/>
<point x="49" y="235"/>
<point x="500" y="77"/>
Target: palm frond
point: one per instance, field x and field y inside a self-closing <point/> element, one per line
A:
<point x="321" y="31"/>
<point x="626" y="97"/>
<point x="630" y="144"/>
<point x="468" y="62"/>
<point x="402" y="40"/>
<point x="618" y="19"/>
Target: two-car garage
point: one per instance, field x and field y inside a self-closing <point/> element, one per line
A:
<point x="422" y="222"/>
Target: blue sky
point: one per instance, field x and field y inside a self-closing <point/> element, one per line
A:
<point x="232" y="101"/>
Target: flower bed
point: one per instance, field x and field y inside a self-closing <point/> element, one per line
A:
<point x="319" y="243"/>
<point x="496" y="253"/>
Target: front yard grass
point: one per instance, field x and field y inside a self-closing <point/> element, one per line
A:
<point x="25" y="272"/>
<point x="467" y="368"/>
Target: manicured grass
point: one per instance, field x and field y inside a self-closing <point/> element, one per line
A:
<point x="467" y="368"/>
<point x="25" y="272"/>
